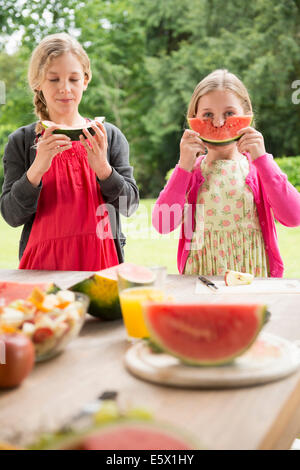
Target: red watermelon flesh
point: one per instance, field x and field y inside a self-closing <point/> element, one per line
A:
<point x="129" y="436"/>
<point x="133" y="438"/>
<point x="204" y="334"/>
<point x="136" y="274"/>
<point x="220" y="135"/>
<point x="10" y="291"/>
<point x="132" y="272"/>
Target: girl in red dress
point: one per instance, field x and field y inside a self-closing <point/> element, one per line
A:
<point x="67" y="194"/>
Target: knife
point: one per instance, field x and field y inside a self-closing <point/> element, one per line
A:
<point x="83" y="418"/>
<point x="208" y="283"/>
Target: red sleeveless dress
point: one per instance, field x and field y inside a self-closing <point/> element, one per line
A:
<point x="70" y="231"/>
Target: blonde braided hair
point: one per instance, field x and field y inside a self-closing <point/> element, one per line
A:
<point x="41" y="110"/>
<point x="50" y="47"/>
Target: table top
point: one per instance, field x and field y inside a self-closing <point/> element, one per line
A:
<point x="258" y="417"/>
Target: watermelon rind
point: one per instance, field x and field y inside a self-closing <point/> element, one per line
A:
<point x="75" y="132"/>
<point x="71" y="439"/>
<point x="104" y="297"/>
<point x="262" y="317"/>
<point x="131" y="275"/>
<point x="221" y="142"/>
<point x="103" y="291"/>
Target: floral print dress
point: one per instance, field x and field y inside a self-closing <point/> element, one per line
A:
<point x="227" y="231"/>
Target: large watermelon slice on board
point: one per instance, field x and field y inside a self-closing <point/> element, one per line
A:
<point x="204" y="334"/>
<point x="223" y="135"/>
<point x="10" y="291"/>
<point x="73" y="132"/>
<point x="102" y="288"/>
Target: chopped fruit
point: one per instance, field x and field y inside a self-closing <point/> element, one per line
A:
<point x="28" y="328"/>
<point x="12" y="317"/>
<point x="49" y="320"/>
<point x="37" y="297"/>
<point x="50" y="302"/>
<point x="65" y="296"/>
<point x="41" y="334"/>
<point x="234" y="278"/>
<point x="7" y="329"/>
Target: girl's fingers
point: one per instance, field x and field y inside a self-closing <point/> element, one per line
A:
<point x="246" y="130"/>
<point x="87" y="145"/>
<point x="197" y="147"/>
<point x="49" y="131"/>
<point x="250" y="140"/>
<point x="249" y="132"/>
<point x="191" y="138"/>
<point x="99" y="136"/>
<point x="83" y="141"/>
<point x="92" y="140"/>
<point x="61" y="148"/>
<point x="57" y="143"/>
<point x="188" y="133"/>
<point x="55" y="138"/>
<point x="247" y="144"/>
<point x="103" y="130"/>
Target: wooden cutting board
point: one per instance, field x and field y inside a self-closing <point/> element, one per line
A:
<point x="270" y="358"/>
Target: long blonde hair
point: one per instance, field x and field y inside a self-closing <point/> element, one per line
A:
<point x="220" y="79"/>
<point x="50" y="47"/>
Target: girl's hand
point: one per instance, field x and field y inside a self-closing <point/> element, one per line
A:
<point x="190" y="146"/>
<point x="48" y="146"/>
<point x="251" y="141"/>
<point x="97" y="151"/>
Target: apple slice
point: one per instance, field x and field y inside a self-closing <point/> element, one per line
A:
<point x="235" y="278"/>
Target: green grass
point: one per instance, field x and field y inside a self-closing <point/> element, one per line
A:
<point x="146" y="246"/>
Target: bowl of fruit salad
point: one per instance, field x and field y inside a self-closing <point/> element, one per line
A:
<point x="50" y="320"/>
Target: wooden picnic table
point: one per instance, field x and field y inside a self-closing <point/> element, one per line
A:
<point x="258" y="417"/>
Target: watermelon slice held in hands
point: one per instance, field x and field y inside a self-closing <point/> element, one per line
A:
<point x="223" y="135"/>
<point x="204" y="334"/>
<point x="73" y="132"/>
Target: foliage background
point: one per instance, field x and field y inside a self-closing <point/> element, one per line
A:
<point x="148" y="55"/>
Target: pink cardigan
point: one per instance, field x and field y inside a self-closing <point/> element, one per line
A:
<point x="271" y="191"/>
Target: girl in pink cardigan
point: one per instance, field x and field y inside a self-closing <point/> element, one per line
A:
<point x="226" y="198"/>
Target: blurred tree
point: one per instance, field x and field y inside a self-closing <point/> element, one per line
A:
<point x="258" y="41"/>
<point x="147" y="57"/>
<point x="35" y="19"/>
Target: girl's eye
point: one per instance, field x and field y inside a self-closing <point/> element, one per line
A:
<point x="56" y="80"/>
<point x="208" y="115"/>
<point x="229" y="113"/>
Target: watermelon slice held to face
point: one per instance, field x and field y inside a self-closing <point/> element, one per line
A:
<point x="204" y="334"/>
<point x="223" y="135"/>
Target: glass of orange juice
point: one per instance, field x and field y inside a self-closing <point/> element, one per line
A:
<point x="132" y="298"/>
